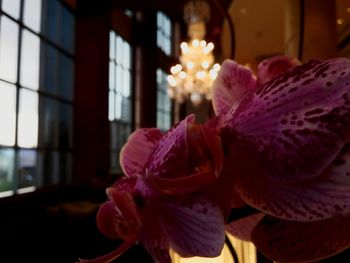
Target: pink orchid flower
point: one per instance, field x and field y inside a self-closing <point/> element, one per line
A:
<point x="159" y="201"/>
<point x="287" y="132"/>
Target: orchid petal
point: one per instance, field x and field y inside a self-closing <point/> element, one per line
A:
<point x="273" y="67"/>
<point x="244" y="227"/>
<point x="107" y="219"/>
<point x="125" y="203"/>
<point x="310" y="200"/>
<point x="232" y="81"/>
<point x="153" y="237"/>
<point x="213" y="141"/>
<point x="195" y="227"/>
<point x="184" y="185"/>
<point x="138" y="148"/>
<point x="119" y="217"/>
<point x="288" y="241"/>
<point x="169" y="159"/>
<point x="296" y="124"/>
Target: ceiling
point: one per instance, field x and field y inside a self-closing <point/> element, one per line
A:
<point x="260" y="29"/>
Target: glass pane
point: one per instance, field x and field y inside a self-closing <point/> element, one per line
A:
<point x="51" y="17"/>
<point x="111" y="45"/>
<point x="30" y="53"/>
<point x="126" y="83"/>
<point x="118" y="106"/>
<point x="114" y="160"/>
<point x="67" y="30"/>
<point x="8" y="49"/>
<point x="167" y="27"/>
<point x="119" y="79"/>
<point x="159" y="120"/>
<point x="7" y="114"/>
<point x="112" y="72"/>
<point x="32" y="14"/>
<point x="126" y="114"/>
<point x="27" y="168"/>
<point x="159" y="39"/>
<point x="48" y="123"/>
<point x="7" y="163"/>
<point x="28" y="119"/>
<point x="111" y="106"/>
<point x="114" y="134"/>
<point x="127" y="55"/>
<point x="49" y="70"/>
<point x="159" y="19"/>
<point x="50" y="167"/>
<point x="65" y="130"/>
<point x="119" y="52"/>
<point x="11" y="7"/>
<point x="159" y="102"/>
<point x="66" y="77"/>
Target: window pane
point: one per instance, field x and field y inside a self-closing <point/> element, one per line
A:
<point x="32" y="14"/>
<point x="51" y="16"/>
<point x="65" y="130"/>
<point x="30" y="60"/>
<point x="27" y="168"/>
<point x="49" y="70"/>
<point x="48" y="123"/>
<point x="7" y="114"/>
<point x="111" y="45"/>
<point x="119" y="54"/>
<point x="7" y="162"/>
<point x="118" y="107"/>
<point x="126" y="116"/>
<point x="114" y="135"/>
<point x="51" y="167"/>
<point x="28" y="119"/>
<point x="111" y="111"/>
<point x="66" y="77"/>
<point x="127" y="55"/>
<point x="126" y="83"/>
<point x="67" y="30"/>
<point x="111" y="75"/>
<point x="8" y="49"/>
<point x="11" y="7"/>
<point x="119" y="79"/>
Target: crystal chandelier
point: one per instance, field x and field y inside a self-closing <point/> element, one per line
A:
<point x="195" y="74"/>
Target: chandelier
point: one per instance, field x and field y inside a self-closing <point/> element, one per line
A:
<point x="194" y="76"/>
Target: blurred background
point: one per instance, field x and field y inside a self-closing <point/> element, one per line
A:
<point x="78" y="76"/>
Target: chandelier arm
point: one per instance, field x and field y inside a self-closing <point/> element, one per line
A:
<point x="230" y="26"/>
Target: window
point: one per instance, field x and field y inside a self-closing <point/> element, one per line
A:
<point x="164" y="33"/>
<point x="163" y="102"/>
<point x="36" y="94"/>
<point x="120" y="95"/>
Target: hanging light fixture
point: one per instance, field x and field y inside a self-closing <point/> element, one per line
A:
<point x="195" y="74"/>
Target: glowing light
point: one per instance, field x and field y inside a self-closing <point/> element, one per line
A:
<point x="340" y="21"/>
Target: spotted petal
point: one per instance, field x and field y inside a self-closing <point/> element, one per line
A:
<point x="272" y="67"/>
<point x="244" y="227"/>
<point x="297" y="123"/>
<point x="288" y="241"/>
<point x="169" y="158"/>
<point x="195" y="227"/>
<point x="310" y="200"/>
<point x="232" y="81"/>
<point x="153" y="237"/>
<point x="137" y="150"/>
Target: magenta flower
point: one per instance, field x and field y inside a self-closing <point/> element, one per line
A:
<point x="287" y="134"/>
<point x="160" y="202"/>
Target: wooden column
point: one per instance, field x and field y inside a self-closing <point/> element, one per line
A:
<point x="318" y="32"/>
<point x="146" y="85"/>
<point x="91" y="126"/>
